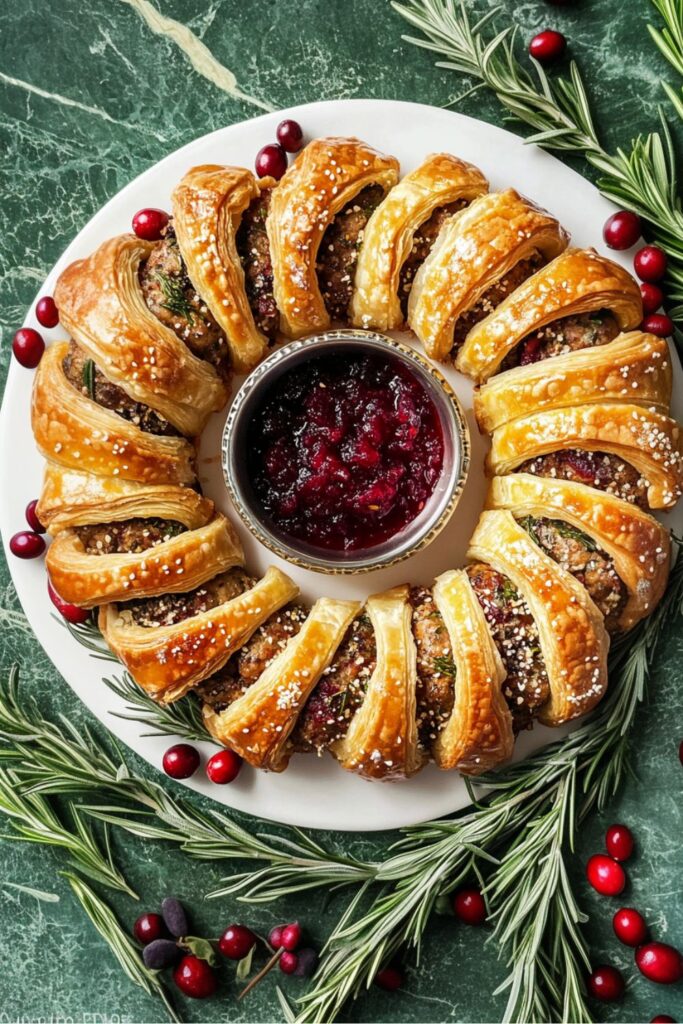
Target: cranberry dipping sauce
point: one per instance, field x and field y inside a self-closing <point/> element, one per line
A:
<point x="345" y="451"/>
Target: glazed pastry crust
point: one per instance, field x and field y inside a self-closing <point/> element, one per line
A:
<point x="478" y="734"/>
<point x="76" y="432"/>
<point x="71" y="498"/>
<point x="647" y="440"/>
<point x="174" y="566"/>
<point x="442" y="179"/>
<point x="634" y="368"/>
<point x="167" y="661"/>
<point x="325" y="176"/>
<point x="572" y="636"/>
<point x="474" y="249"/>
<point x="382" y="740"/>
<point x="577" y="281"/>
<point x="208" y="205"/>
<point x="258" y="724"/>
<point x="101" y="305"/>
<point x="637" y="543"/>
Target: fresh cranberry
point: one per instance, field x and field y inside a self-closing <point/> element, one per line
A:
<point x="660" y="963"/>
<point x="389" y="978"/>
<point x="622" y="230"/>
<point x="290" y="135"/>
<point x="469" y="906"/>
<point x="605" y="875"/>
<point x="275" y="936"/>
<point x="290" y="937"/>
<point x="650" y="263"/>
<point x="28" y="347"/>
<point x="223" y="767"/>
<point x="659" y="324"/>
<point x="629" y="926"/>
<point x="662" y="1018"/>
<point x="652" y="296"/>
<point x="547" y="46"/>
<point x="71" y="612"/>
<point x="150" y="223"/>
<point x="606" y="984"/>
<point x="181" y="760"/>
<point x="195" y="978"/>
<point x="288" y="962"/>
<point x="26" y="544"/>
<point x="47" y="313"/>
<point x="149" y="927"/>
<point x="32" y="517"/>
<point x="619" y="842"/>
<point x="236" y="941"/>
<point x="271" y="161"/>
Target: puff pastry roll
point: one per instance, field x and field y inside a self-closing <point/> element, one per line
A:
<point x="382" y="739"/>
<point x="647" y="441"/>
<point x="74" y="431"/>
<point x="167" y="660"/>
<point x="259" y="723"/>
<point x="101" y="305"/>
<point x="481" y="255"/>
<point x="326" y="176"/>
<point x="573" y="639"/>
<point x="208" y="204"/>
<point x="633" y="368"/>
<point x="442" y="183"/>
<point x="638" y="545"/>
<point x="86" y="577"/>
<point x="478" y="734"/>
<point x="576" y="283"/>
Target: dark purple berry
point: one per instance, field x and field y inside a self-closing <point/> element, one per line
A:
<point x="161" y="953"/>
<point x="174" y="916"/>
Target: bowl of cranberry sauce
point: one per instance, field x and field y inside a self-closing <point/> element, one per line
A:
<point x="345" y="452"/>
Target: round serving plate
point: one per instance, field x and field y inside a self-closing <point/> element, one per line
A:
<point x="312" y="792"/>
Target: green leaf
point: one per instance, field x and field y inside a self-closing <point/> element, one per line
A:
<point x="199" y="947"/>
<point x="244" y="965"/>
<point x="88" y="375"/>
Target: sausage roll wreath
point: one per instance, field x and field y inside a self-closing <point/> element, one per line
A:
<point x="575" y="398"/>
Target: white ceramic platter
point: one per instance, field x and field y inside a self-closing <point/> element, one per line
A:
<point x="313" y="792"/>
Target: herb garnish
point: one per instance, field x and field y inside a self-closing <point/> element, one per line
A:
<point x="174" y="294"/>
<point x="88" y="375"/>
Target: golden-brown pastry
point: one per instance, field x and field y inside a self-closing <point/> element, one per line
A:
<point x="102" y="307"/>
<point x="646" y="440"/>
<point x="325" y="176"/>
<point x="167" y="661"/>
<point x="478" y="734"/>
<point x="258" y="724"/>
<point x="74" y="431"/>
<point x="441" y="180"/>
<point x="577" y="281"/>
<point x="382" y="739"/>
<point x="572" y="636"/>
<point x="638" y="544"/>
<point x="477" y="248"/>
<point x="633" y="368"/>
<point x="208" y="204"/>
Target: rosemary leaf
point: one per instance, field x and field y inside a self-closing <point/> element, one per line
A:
<point x="89" y="377"/>
<point x="174" y="294"/>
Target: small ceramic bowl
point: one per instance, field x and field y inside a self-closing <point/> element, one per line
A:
<point x="422" y="530"/>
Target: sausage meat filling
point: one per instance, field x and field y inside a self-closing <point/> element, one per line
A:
<point x="338" y="253"/>
<point x="606" y="472"/>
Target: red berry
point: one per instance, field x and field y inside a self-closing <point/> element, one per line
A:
<point x="32" y="517"/>
<point x="622" y="230"/>
<point x="650" y="263"/>
<point x="275" y="936"/>
<point x="271" y="160"/>
<point x="223" y="767"/>
<point x="149" y="927"/>
<point x="652" y="296"/>
<point x="195" y="978"/>
<point x="619" y="842"/>
<point x="659" y="324"/>
<point x="71" y="612"/>
<point x="606" y="984"/>
<point x="629" y="926"/>
<point x="150" y="223"/>
<point x="28" y="347"/>
<point x="290" y="937"/>
<point x="389" y="978"/>
<point x="469" y="906"/>
<point x="26" y="544"/>
<point x="47" y="313"/>
<point x="547" y="45"/>
<point x="605" y="875"/>
<point x="236" y="941"/>
<point x="181" y="760"/>
<point x="288" y="962"/>
<point x="662" y="1018"/>
<point x="660" y="963"/>
<point x="290" y="135"/>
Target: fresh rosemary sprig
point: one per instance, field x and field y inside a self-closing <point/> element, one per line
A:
<point x="88" y="375"/>
<point x="670" y="42"/>
<point x="174" y="294"/>
<point x="182" y="718"/>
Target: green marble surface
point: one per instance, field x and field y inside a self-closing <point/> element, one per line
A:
<point x="90" y="95"/>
